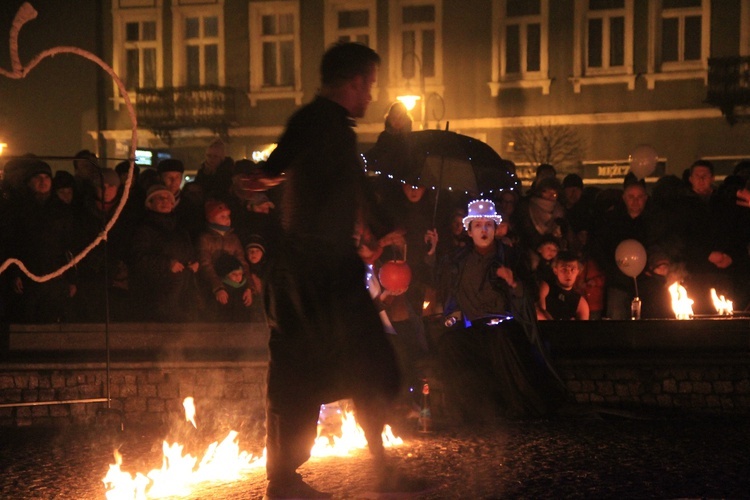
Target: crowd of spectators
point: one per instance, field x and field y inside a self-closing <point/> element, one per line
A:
<point x="198" y="251"/>
<point x="694" y="229"/>
<point x="178" y="251"/>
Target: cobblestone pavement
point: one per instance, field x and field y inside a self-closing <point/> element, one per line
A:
<point x="588" y="455"/>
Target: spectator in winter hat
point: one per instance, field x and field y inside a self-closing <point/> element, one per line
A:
<point x="234" y="282"/>
<point x="63" y="185"/>
<point x="39" y="180"/>
<point x="158" y="197"/>
<point x="41" y="236"/>
<point x="255" y="252"/>
<point x="188" y="210"/>
<point x="164" y="263"/>
<point x="216" y="239"/>
<point x="171" y="172"/>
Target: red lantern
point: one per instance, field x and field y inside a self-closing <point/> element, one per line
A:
<point x="395" y="275"/>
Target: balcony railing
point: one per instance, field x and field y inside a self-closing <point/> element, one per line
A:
<point x="729" y="86"/>
<point x="164" y="110"/>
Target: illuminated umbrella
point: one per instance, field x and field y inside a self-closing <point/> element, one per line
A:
<point x="441" y="159"/>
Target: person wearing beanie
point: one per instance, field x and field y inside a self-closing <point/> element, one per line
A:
<point x="164" y="263"/>
<point x="255" y="249"/>
<point x="188" y="210"/>
<point x="157" y="196"/>
<point x="255" y="252"/>
<point x="171" y="173"/>
<point x="86" y="173"/>
<point x="572" y="189"/>
<point x="39" y="180"/>
<point x="63" y="186"/>
<point x="219" y="238"/>
<point x="42" y="235"/>
<point x="107" y="189"/>
<point x="95" y="214"/>
<point x="235" y="286"/>
<point x="86" y="166"/>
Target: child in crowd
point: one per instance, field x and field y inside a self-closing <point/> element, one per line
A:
<point x="255" y="253"/>
<point x="558" y="300"/>
<point x="540" y="260"/>
<point x="217" y="239"/>
<point x="234" y="282"/>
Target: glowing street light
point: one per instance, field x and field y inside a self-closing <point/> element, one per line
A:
<point x="410" y="100"/>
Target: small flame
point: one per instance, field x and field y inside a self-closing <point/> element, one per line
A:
<point x="682" y="305"/>
<point x="189" y="406"/>
<point x="425" y="304"/>
<point x="722" y="305"/>
<point x="341" y="442"/>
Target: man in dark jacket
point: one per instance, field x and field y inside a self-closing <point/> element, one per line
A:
<point x="41" y="237"/>
<point x="327" y="341"/>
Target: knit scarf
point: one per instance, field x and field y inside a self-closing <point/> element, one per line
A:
<point x="543" y="214"/>
<point x="234" y="284"/>
<point x="219" y="228"/>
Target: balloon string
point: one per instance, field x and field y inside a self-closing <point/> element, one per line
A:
<point x="635" y="282"/>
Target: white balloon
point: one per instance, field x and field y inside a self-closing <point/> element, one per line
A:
<point x="630" y="257"/>
<point x="643" y="161"/>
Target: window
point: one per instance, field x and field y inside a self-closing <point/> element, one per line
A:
<point x="416" y="47"/>
<point x="681" y="23"/>
<point x="351" y="21"/>
<point x="275" y="51"/>
<point x="603" y="43"/>
<point x="198" y="44"/>
<point x="519" y="48"/>
<point x="679" y="39"/>
<point x="137" y="46"/>
<point x="605" y="40"/>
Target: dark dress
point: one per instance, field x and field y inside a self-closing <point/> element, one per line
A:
<point x="493" y="368"/>
<point x="327" y="342"/>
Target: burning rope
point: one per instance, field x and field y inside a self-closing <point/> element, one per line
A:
<point x="27" y="13"/>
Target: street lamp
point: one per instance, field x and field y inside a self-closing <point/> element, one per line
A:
<point x="410" y="100"/>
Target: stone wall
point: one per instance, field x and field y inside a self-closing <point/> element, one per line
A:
<point x="55" y="374"/>
<point x="140" y="392"/>
<point x="695" y="365"/>
<point x="710" y="385"/>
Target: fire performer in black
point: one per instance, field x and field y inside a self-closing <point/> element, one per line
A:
<point x="327" y="342"/>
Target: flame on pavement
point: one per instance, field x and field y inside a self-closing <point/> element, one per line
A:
<point x="224" y="461"/>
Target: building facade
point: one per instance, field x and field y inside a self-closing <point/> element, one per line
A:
<point x="577" y="83"/>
